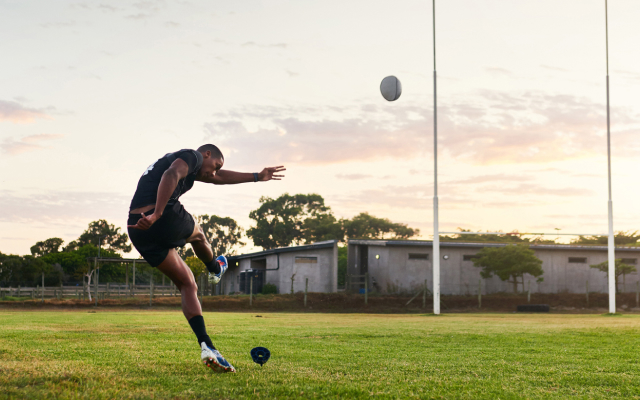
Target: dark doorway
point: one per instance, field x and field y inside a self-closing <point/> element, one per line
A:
<point x="364" y="259"/>
<point x="258" y="276"/>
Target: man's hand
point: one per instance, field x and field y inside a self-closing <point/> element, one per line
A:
<point x="269" y="174"/>
<point x="145" y="222"/>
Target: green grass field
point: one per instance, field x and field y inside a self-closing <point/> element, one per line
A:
<point x="154" y="355"/>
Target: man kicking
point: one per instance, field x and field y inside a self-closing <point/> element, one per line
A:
<point x="158" y="223"/>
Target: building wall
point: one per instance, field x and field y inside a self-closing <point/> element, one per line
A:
<point x="392" y="271"/>
<point x="323" y="275"/>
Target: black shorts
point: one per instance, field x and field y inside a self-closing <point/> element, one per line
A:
<point x="170" y="231"/>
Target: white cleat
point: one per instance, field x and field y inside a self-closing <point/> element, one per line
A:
<point x="214" y="360"/>
<point x="222" y="262"/>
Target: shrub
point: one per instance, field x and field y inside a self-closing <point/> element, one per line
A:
<point x="269" y="288"/>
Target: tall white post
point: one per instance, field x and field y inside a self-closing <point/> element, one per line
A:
<point x="436" y="230"/>
<point x="611" y="242"/>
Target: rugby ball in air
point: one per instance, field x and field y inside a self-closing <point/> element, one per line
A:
<point x="391" y="88"/>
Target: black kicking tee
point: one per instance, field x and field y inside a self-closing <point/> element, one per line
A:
<point x="147" y="191"/>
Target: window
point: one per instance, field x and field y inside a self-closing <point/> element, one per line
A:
<point x="469" y="257"/>
<point x="306" y="260"/>
<point x="418" y="256"/>
<point x="578" y="260"/>
<point x="630" y="261"/>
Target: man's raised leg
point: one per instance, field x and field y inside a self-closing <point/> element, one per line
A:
<point x="203" y="250"/>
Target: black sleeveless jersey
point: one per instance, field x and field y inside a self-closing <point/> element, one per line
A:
<point x="147" y="191"/>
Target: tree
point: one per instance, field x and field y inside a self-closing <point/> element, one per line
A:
<point x="112" y="239"/>
<point x="320" y="227"/>
<point x="71" y="246"/>
<point x="620" y="269"/>
<point x="20" y="270"/>
<point x="196" y="265"/>
<point x="620" y="238"/>
<point x="507" y="237"/>
<point x="279" y="222"/>
<point x="223" y="233"/>
<point x="185" y="252"/>
<point x="365" y="225"/>
<point x="511" y="261"/>
<point x="51" y="245"/>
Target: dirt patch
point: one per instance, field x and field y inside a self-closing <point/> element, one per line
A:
<point x="349" y="303"/>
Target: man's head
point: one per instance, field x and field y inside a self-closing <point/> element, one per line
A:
<point x="212" y="159"/>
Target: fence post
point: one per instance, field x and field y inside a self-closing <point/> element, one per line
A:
<point x="637" y="294"/>
<point x="77" y="294"/>
<point x="292" y="278"/>
<point x="366" y="288"/>
<point x="346" y="283"/>
<point x="424" y="295"/>
<point x="18" y="295"/>
<point x="480" y="293"/>
<point x="306" y="288"/>
<point x="108" y="289"/>
<point x="151" y="289"/>
<point x="126" y="278"/>
<point x="42" y="287"/>
<point x="587" y="293"/>
<point x="529" y="292"/>
<point x="251" y="290"/>
<point x="33" y="294"/>
<point x="133" y="281"/>
<point x="97" y="282"/>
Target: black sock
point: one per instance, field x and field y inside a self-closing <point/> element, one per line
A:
<point x="213" y="266"/>
<point x="197" y="324"/>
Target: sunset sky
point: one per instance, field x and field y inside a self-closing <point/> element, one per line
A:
<point x="92" y="93"/>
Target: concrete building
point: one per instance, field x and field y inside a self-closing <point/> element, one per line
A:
<point x="317" y="262"/>
<point x="396" y="266"/>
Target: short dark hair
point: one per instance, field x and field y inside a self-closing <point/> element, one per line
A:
<point x="215" y="151"/>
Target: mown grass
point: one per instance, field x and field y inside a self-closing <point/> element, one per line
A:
<point x="468" y="356"/>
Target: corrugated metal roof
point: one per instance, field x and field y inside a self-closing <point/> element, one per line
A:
<point x="428" y="243"/>
<point x="327" y="244"/>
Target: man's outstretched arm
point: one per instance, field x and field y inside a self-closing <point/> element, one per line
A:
<point x="226" y="177"/>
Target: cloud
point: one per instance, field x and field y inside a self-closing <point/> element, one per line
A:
<point x="535" y="189"/>
<point x="489" y="128"/>
<point x="532" y="127"/>
<point x="107" y="7"/>
<point x="353" y="177"/>
<point x="254" y="44"/>
<point x="66" y="24"/>
<point x="630" y="75"/>
<point x="28" y="143"/>
<point x="553" y="68"/>
<point x="498" y="71"/>
<point x="58" y="207"/>
<point x="461" y="194"/>
<point x="13" y="111"/>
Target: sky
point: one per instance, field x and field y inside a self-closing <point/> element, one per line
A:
<point x="94" y="92"/>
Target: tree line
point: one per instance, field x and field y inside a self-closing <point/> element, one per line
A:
<point x="280" y="222"/>
<point x="284" y="221"/>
